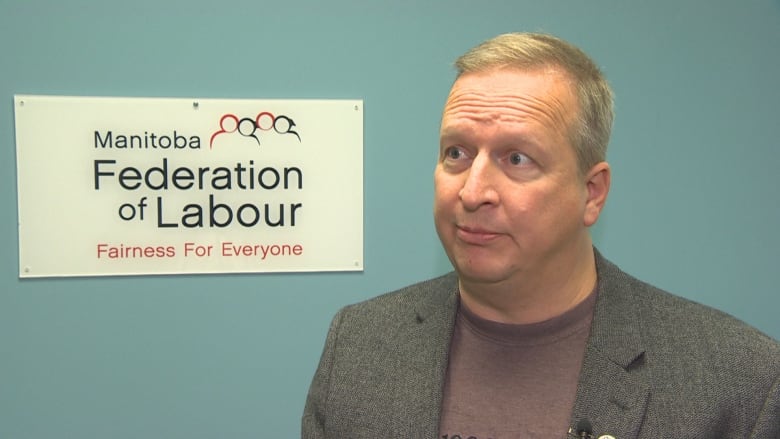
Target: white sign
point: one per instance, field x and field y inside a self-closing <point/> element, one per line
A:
<point x="121" y="186"/>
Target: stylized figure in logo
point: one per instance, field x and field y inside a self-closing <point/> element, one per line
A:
<point x="247" y="127"/>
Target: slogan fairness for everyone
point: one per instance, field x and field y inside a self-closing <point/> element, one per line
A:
<point x="210" y="212"/>
<point x="226" y="249"/>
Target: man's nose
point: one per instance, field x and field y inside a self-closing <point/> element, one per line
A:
<point x="479" y="187"/>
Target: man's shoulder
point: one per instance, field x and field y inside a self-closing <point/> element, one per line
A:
<point x="390" y="315"/>
<point x="421" y="295"/>
<point x="704" y="325"/>
<point x="668" y="321"/>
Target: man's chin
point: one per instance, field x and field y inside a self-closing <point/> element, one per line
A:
<point x="480" y="275"/>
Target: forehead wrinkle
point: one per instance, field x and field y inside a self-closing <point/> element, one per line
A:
<point x="506" y="107"/>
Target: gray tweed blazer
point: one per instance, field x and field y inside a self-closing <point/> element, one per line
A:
<point x="656" y="366"/>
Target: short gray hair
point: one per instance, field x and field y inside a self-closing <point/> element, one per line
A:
<point x="529" y="51"/>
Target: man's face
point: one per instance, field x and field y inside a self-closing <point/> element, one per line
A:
<point x="509" y="199"/>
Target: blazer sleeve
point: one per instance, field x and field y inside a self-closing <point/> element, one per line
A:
<point x="314" y="413"/>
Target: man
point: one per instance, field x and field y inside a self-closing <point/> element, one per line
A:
<point x="535" y="335"/>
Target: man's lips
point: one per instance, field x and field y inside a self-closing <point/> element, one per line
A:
<point x="475" y="235"/>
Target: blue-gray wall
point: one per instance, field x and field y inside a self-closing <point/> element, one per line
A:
<point x="694" y="206"/>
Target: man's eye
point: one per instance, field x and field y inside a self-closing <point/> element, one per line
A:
<point x="517" y="158"/>
<point x="453" y="152"/>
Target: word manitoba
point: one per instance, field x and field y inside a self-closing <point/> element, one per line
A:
<point x="146" y="141"/>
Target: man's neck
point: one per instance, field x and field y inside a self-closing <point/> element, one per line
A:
<point x="535" y="297"/>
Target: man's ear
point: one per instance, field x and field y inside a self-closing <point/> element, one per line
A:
<point x="597" y="182"/>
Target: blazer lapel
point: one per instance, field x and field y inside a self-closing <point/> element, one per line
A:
<point x="610" y="397"/>
<point x="428" y="340"/>
<point x="612" y="392"/>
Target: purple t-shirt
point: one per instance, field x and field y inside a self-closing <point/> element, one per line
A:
<point x="509" y="381"/>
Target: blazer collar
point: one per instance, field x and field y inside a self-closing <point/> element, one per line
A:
<point x="612" y="394"/>
<point x="428" y="336"/>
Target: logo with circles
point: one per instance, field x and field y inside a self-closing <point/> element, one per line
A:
<point x="263" y="124"/>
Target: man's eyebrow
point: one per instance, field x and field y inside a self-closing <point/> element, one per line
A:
<point x="453" y="136"/>
<point x="456" y="130"/>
